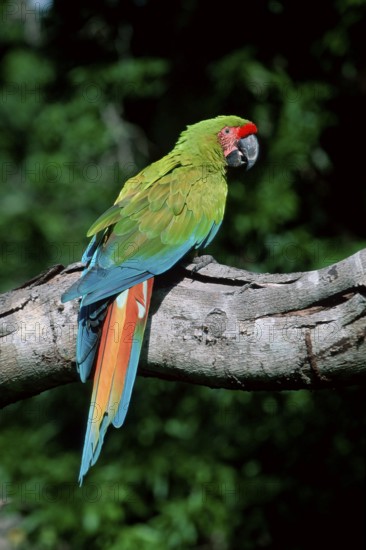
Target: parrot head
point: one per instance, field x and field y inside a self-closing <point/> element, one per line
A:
<point x="239" y="145"/>
<point x="225" y="139"/>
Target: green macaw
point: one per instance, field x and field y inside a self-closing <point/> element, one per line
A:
<point x="171" y="207"/>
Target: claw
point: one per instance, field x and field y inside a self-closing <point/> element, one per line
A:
<point x="202" y="261"/>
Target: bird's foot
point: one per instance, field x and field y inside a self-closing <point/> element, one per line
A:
<point x="202" y="261"/>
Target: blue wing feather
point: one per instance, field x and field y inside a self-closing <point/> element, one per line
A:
<point x="98" y="283"/>
<point x="90" y="320"/>
<point x="89" y="252"/>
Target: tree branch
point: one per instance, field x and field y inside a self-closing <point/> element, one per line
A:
<point x="222" y="327"/>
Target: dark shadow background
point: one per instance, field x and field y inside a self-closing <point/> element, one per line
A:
<point x="88" y="96"/>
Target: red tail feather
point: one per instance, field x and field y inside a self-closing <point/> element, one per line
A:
<point x="116" y="365"/>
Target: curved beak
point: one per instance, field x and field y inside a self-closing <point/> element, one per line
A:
<point x="249" y="149"/>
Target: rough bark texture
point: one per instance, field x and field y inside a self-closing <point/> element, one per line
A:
<point x="221" y="327"/>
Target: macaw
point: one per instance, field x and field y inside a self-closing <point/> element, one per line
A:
<point x="171" y="207"/>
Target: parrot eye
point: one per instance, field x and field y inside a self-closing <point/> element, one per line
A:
<point x="227" y="130"/>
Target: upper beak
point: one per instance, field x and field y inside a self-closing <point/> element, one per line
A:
<point x="249" y="148"/>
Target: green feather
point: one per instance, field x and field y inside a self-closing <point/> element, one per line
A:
<point x="158" y="195"/>
<point x="176" y="201"/>
<point x="153" y="223"/>
<point x="109" y="217"/>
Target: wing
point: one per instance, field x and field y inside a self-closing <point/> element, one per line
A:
<point x="148" y="230"/>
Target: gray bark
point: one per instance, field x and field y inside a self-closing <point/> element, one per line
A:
<point x="221" y="327"/>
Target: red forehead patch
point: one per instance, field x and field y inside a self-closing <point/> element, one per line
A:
<point x="247" y="129"/>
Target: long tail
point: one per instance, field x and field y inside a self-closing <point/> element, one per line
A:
<point x="115" y="368"/>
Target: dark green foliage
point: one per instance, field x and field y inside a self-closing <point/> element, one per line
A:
<point x="90" y="96"/>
